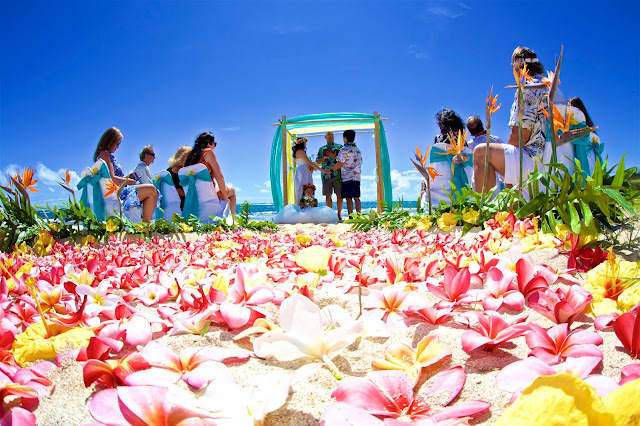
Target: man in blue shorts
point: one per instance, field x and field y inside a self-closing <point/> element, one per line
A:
<point x="349" y="162"/>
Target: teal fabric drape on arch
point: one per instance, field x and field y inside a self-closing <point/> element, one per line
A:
<point x="307" y="124"/>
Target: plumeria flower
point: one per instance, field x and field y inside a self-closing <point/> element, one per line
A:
<point x="151" y="293"/>
<point x="399" y="356"/>
<point x="98" y="299"/>
<point x="557" y="343"/>
<point x="498" y="293"/>
<point x="391" y="304"/>
<point x="196" y="366"/>
<point x="303" y="336"/>
<point x="389" y="395"/>
<point x="492" y="330"/>
<point x="516" y="376"/>
<point x="561" y="305"/>
<point x="456" y="286"/>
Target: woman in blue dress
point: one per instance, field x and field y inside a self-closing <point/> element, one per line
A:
<point x="144" y="195"/>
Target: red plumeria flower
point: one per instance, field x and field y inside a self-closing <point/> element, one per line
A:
<point x="627" y="328"/>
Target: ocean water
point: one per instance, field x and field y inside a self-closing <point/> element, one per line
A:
<point x="265" y="211"/>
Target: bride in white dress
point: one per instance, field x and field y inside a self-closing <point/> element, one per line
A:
<point x="303" y="167"/>
<point x="292" y="213"/>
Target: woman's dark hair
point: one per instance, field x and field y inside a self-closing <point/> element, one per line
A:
<point x="298" y="145"/>
<point x="449" y="121"/>
<point x="198" y="146"/>
<point x="521" y="54"/>
<point x="577" y="102"/>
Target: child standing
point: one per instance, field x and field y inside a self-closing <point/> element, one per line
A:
<point x="350" y="161"/>
<point x="308" y="198"/>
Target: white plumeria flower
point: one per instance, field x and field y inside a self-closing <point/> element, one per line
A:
<point x="302" y="335"/>
<point x="97" y="298"/>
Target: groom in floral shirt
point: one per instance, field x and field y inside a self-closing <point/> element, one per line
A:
<point x="331" y="182"/>
<point x="350" y="161"/>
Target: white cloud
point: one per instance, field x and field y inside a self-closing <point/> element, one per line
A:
<point x="50" y="177"/>
<point x="265" y="191"/>
<point x="230" y="129"/>
<point x="444" y="12"/>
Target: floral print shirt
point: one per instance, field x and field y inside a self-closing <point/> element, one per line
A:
<point x="328" y="163"/>
<point x="352" y="158"/>
<point x="532" y="117"/>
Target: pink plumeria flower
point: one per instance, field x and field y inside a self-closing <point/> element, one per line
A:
<point x="391" y="304"/>
<point x="98" y="299"/>
<point x="561" y="305"/>
<point x="557" y="343"/>
<point x="389" y="395"/>
<point x="498" y="293"/>
<point x="150" y="294"/>
<point x="492" y="330"/>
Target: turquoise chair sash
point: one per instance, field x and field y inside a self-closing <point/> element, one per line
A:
<point x="93" y="181"/>
<point x="188" y="182"/>
<point x="583" y="147"/>
<point x="159" y="183"/>
<point x="460" y="179"/>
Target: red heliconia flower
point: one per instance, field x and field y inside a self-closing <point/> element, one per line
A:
<point x="561" y="305"/>
<point x="492" y="330"/>
<point x="627" y="328"/>
<point x="557" y="344"/>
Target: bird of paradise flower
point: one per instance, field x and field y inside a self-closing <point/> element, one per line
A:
<point x="426" y="171"/>
<point x="111" y="187"/>
<point x="490" y="109"/>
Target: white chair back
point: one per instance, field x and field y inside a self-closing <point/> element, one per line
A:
<point x="208" y="202"/>
<point x="170" y="197"/>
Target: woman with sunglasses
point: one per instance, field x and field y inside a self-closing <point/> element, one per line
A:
<point x="202" y="152"/>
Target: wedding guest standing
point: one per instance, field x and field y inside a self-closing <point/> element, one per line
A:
<point x="350" y="162"/>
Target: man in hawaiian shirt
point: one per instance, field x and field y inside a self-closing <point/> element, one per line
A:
<point x="331" y="182"/>
<point x="350" y="161"/>
<point x="505" y="158"/>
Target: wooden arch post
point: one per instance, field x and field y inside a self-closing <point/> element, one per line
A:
<point x="380" y="186"/>
<point x="285" y="166"/>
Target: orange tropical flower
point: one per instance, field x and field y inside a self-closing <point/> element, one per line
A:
<point x="433" y="173"/>
<point x="110" y="188"/>
<point x="559" y="122"/>
<point x="549" y="79"/>
<point x="456" y="145"/>
<point x="67" y="177"/>
<point x="522" y="76"/>
<point x="26" y="180"/>
<point x="419" y="156"/>
<point x="491" y="102"/>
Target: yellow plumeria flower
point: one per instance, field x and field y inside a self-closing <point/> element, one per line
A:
<point x="424" y="224"/>
<point x="337" y="241"/>
<point x="538" y="241"/>
<point x="222" y="283"/>
<point x="313" y="259"/>
<point x="184" y="227"/>
<point x="303" y="239"/>
<point x="447" y="221"/>
<point x="89" y="239"/>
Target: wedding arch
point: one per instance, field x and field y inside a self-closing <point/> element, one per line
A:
<point x="282" y="163"/>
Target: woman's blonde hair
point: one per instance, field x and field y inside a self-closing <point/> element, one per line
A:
<point x="108" y="140"/>
<point x="180" y="157"/>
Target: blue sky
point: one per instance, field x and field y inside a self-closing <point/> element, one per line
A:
<point x="164" y="71"/>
